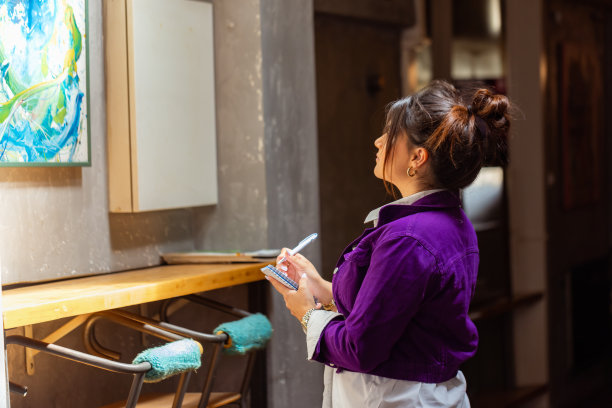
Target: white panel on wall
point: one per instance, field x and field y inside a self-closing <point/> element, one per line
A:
<point x="161" y="104"/>
<point x="175" y="103"/>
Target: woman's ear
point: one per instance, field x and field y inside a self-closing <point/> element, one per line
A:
<point x="419" y="157"/>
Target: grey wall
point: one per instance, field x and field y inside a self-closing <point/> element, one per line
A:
<point x="239" y="220"/>
<point x="56" y="223"/>
<point x="268" y="195"/>
<point x="292" y="182"/>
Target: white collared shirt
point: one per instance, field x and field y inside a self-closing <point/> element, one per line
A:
<point x="408" y="200"/>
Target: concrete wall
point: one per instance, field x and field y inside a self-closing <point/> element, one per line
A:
<point x="239" y="221"/>
<point x="56" y="222"/>
<point x="292" y="183"/>
<point x="268" y="194"/>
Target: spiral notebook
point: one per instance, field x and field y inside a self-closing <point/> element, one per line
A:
<point x="282" y="277"/>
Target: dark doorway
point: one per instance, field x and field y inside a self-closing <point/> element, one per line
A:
<point x="358" y="73"/>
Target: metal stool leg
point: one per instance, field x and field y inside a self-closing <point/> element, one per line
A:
<point x="132" y="399"/>
<point x="181" y="390"/>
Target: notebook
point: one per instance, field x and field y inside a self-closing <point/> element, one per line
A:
<point x="282" y="277"/>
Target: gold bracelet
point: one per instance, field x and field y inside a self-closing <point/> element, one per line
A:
<point x="306" y="317"/>
<point x="330" y="306"/>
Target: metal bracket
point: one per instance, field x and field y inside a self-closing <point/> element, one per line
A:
<point x="171" y="306"/>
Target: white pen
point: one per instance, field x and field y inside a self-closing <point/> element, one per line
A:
<point x="300" y="246"/>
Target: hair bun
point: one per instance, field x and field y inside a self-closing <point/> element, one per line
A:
<point x="493" y="108"/>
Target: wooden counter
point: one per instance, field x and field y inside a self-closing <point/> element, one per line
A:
<point x="50" y="301"/>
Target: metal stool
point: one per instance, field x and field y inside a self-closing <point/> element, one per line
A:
<point x="137" y="370"/>
<point x="203" y="399"/>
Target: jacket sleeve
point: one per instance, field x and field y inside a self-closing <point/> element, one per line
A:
<point x="388" y="298"/>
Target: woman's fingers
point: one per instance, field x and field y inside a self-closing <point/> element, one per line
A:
<point x="283" y="254"/>
<point x="303" y="265"/>
<point x="298" y="302"/>
<point x="282" y="289"/>
<point x="303" y="282"/>
<point x="284" y="266"/>
<point x="299" y="261"/>
<point x="303" y="287"/>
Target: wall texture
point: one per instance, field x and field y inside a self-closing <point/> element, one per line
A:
<point x="239" y="220"/>
<point x="56" y="222"/>
<point x="292" y="183"/>
<point x="268" y="194"/>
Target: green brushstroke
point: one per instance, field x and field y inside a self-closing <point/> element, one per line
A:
<point x="75" y="34"/>
<point x="8" y="107"/>
<point x="60" y="108"/>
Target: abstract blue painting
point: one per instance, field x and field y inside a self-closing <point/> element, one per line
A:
<point x="44" y="117"/>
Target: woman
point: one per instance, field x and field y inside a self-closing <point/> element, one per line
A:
<point x="392" y="327"/>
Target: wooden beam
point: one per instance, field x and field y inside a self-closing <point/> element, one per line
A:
<point x="117" y="108"/>
<point x="394" y="12"/>
<point x="442" y="38"/>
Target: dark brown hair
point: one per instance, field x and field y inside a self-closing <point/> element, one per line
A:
<point x="461" y="134"/>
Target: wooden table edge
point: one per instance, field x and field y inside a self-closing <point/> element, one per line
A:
<point x="66" y="298"/>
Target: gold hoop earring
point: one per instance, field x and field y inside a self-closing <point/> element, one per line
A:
<point x="409" y="173"/>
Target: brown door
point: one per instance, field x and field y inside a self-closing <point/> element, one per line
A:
<point x="578" y="206"/>
<point x="358" y="73"/>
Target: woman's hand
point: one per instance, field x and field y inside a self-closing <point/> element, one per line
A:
<point x="296" y="266"/>
<point x="297" y="301"/>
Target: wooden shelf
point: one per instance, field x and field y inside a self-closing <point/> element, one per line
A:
<point x="50" y="301"/>
<point x="508" y="398"/>
<point x="504" y="305"/>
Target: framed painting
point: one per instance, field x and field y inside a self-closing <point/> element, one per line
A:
<point x="44" y="101"/>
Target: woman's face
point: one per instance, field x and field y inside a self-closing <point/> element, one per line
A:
<point x="398" y="163"/>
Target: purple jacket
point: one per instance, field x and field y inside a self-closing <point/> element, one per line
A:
<point x="404" y="289"/>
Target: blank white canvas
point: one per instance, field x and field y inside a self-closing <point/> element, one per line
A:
<point x="174" y="103"/>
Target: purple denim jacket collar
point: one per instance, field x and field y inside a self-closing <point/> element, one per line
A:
<point x="432" y="202"/>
